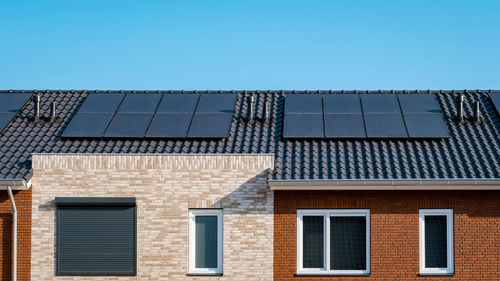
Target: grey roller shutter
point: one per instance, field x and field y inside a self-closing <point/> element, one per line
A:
<point x="96" y="239"/>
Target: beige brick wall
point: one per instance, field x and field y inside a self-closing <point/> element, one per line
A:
<point x="165" y="187"/>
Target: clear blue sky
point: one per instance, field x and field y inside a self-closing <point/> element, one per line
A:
<point x="421" y="44"/>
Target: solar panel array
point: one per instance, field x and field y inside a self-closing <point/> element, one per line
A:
<point x="153" y="116"/>
<point x="10" y="105"/>
<point x="363" y="116"/>
<point x="495" y="98"/>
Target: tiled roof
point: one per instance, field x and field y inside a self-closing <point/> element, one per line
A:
<point x="471" y="152"/>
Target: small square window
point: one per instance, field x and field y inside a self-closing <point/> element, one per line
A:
<point x="205" y="241"/>
<point x="333" y="242"/>
<point x="436" y="241"/>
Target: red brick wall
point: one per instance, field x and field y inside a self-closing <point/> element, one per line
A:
<point x="394" y="217"/>
<point x="23" y="204"/>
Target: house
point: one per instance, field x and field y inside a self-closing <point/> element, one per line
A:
<point x="250" y="185"/>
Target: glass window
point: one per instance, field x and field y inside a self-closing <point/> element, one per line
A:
<point x="205" y="241"/>
<point x="333" y="241"/>
<point x="436" y="241"/>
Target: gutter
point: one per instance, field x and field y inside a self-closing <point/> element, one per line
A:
<point x="15" y="184"/>
<point x="387" y="184"/>
<point x="14" y="234"/>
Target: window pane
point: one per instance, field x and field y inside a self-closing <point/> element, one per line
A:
<point x="435" y="241"/>
<point x="206" y="242"/>
<point x="313" y="241"/>
<point x="348" y="243"/>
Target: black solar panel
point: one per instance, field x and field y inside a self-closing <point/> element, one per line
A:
<point x="10" y="105"/>
<point x="426" y="126"/>
<point x="380" y="104"/>
<point x="216" y="103"/>
<point x="341" y="104"/>
<point x="90" y="125"/>
<point x="178" y="103"/>
<point x="385" y="126"/>
<point x="303" y="103"/>
<point x="128" y="125"/>
<point x="303" y="126"/>
<point x="169" y="126"/>
<point x="154" y="116"/>
<point x="495" y="98"/>
<point x="344" y="126"/>
<point x="140" y="103"/>
<point x="210" y="125"/>
<point x="101" y="103"/>
<point x="5" y="119"/>
<point x="418" y="104"/>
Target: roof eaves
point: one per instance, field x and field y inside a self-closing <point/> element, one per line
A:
<point x="387" y="184"/>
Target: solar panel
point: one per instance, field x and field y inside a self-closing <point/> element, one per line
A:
<point x="169" y="125"/>
<point x="5" y="119"/>
<point x="90" y="125"/>
<point x="303" y="103"/>
<point x="418" y="104"/>
<point x="385" y="126"/>
<point x="341" y="104"/>
<point x="303" y="126"/>
<point x="344" y="126"/>
<point x="178" y="103"/>
<point x="380" y="104"/>
<point x="12" y="103"/>
<point x="128" y="125"/>
<point x="216" y="103"/>
<point x="495" y="98"/>
<point x="140" y="103"/>
<point x="210" y="125"/>
<point x="101" y="103"/>
<point x="426" y="126"/>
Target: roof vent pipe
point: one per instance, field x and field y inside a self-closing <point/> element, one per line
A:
<point x="460" y="108"/>
<point x="53" y="111"/>
<point x="477" y="113"/>
<point x="36" y="106"/>
<point x="251" y="104"/>
<point x="267" y="111"/>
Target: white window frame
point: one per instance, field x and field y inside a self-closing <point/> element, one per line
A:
<point x="192" y="241"/>
<point x="449" y="247"/>
<point x="327" y="213"/>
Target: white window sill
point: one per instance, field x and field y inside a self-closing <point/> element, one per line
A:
<point x="204" y="274"/>
<point x="331" y="274"/>
<point x="436" y="273"/>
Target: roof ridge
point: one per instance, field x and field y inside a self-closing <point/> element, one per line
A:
<point x="269" y="91"/>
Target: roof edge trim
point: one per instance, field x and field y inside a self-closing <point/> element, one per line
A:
<point x="15" y="184"/>
<point x="385" y="184"/>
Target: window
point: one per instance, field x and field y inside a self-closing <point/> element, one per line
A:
<point x="95" y="236"/>
<point x="333" y="242"/>
<point x="436" y="241"/>
<point x="205" y="241"/>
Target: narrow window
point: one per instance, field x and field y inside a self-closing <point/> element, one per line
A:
<point x="436" y="241"/>
<point x="205" y="241"/>
<point x="332" y="242"/>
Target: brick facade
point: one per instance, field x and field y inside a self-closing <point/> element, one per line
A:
<point x="23" y="204"/>
<point x="395" y="231"/>
<point x="165" y="187"/>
